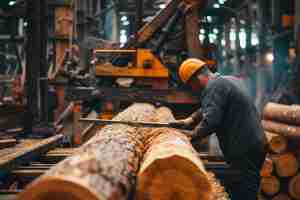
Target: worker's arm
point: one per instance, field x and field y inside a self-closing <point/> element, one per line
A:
<point x="213" y="105"/>
<point x="190" y="122"/>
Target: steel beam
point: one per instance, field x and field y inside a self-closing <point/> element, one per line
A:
<point x="166" y="97"/>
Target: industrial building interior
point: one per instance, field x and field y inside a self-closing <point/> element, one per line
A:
<point x="90" y="91"/>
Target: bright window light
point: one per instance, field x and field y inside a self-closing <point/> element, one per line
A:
<point x="162" y="6"/>
<point x="216" y="31"/>
<point x="209" y="19"/>
<point x="202" y="37"/>
<point x="124" y="18"/>
<point x="216" y="5"/>
<point x="254" y="39"/>
<point x="11" y="3"/>
<point x="269" y="57"/>
<point x="243" y="38"/>
<point x="232" y="35"/>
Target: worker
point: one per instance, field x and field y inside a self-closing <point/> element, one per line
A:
<point x="228" y="111"/>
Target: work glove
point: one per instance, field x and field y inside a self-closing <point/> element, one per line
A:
<point x="187" y="123"/>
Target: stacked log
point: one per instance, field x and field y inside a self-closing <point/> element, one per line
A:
<point x="105" y="168"/>
<point x="280" y="172"/>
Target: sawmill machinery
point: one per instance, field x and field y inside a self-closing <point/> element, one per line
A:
<point x="145" y="69"/>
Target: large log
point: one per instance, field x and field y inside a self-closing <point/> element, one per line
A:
<point x="289" y="131"/>
<point x="294" y="187"/>
<point x="277" y="143"/>
<point x="270" y="185"/>
<point x="286" y="165"/>
<point x="103" y="169"/>
<point x="281" y="197"/>
<point x="171" y="168"/>
<point x="282" y="113"/>
<point x="267" y="168"/>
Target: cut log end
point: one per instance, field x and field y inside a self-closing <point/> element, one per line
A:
<point x="278" y="144"/>
<point x="47" y="189"/>
<point x="270" y="185"/>
<point x="286" y="165"/>
<point x="267" y="168"/>
<point x="173" y="173"/>
<point x="171" y="168"/>
<point x="294" y="187"/>
<point x="281" y="197"/>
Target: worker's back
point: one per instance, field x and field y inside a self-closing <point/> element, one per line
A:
<point x="240" y="128"/>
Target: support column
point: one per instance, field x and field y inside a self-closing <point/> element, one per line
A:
<point x="43" y="62"/>
<point x="32" y="62"/>
<point x="139" y="15"/>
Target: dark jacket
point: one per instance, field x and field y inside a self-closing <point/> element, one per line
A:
<point x="228" y="111"/>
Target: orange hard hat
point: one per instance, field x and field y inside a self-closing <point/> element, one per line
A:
<point x="189" y="67"/>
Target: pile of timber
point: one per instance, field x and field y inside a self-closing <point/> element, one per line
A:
<point x="280" y="172"/>
<point x="123" y="162"/>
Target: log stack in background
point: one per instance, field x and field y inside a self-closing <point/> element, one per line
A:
<point x="105" y="168"/>
<point x="281" y="179"/>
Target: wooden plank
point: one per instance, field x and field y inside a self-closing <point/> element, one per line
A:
<point x="8" y="197"/>
<point x="24" y="156"/>
<point x="148" y="30"/>
<point x="28" y="173"/>
<point x="7" y="143"/>
<point x="192" y="30"/>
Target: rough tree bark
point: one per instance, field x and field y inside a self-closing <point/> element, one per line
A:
<point x="289" y="131"/>
<point x="103" y="169"/>
<point x="282" y="113"/>
<point x="171" y="168"/>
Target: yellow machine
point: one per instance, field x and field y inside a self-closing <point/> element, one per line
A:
<point x="144" y="65"/>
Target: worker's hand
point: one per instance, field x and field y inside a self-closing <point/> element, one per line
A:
<point x="183" y="124"/>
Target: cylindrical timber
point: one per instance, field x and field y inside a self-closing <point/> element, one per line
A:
<point x="171" y="168"/>
<point x="281" y="197"/>
<point x="270" y="185"/>
<point x="286" y="165"/>
<point x="102" y="169"/>
<point x="277" y="143"/>
<point x="267" y="168"/>
<point x="282" y="113"/>
<point x="294" y="187"/>
<point x="289" y="131"/>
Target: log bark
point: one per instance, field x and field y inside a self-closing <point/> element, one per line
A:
<point x="286" y="165"/>
<point x="267" y="168"/>
<point x="270" y="185"/>
<point x="103" y="169"/>
<point x="294" y="187"/>
<point x="281" y="197"/>
<point x="289" y="131"/>
<point x="171" y="168"/>
<point x="277" y="143"/>
<point x="282" y="113"/>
